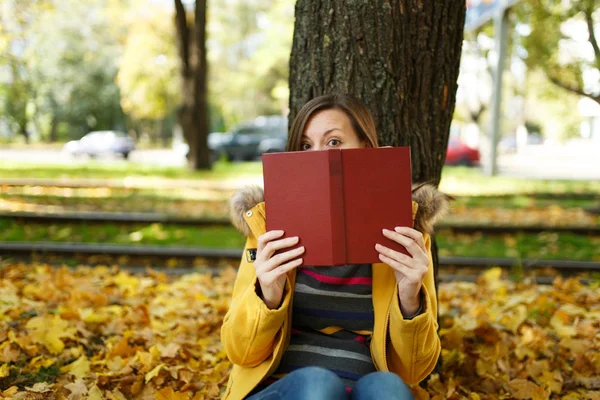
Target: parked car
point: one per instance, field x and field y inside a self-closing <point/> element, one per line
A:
<point x="459" y="153"/>
<point x="98" y="143"/>
<point x="266" y="134"/>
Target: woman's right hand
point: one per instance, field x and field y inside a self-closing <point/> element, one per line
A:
<point x="271" y="269"/>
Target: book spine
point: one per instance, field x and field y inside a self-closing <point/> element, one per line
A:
<point x="338" y="223"/>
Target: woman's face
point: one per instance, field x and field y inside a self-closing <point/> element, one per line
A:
<point x="330" y="129"/>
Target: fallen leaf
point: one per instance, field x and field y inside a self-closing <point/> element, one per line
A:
<point x="154" y="372"/>
<point x="79" y="368"/>
<point x="168" y="394"/>
<point x="77" y="389"/>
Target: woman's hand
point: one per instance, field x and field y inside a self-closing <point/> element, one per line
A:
<point x="410" y="271"/>
<point x="270" y="269"/>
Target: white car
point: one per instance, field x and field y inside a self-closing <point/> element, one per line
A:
<point x="98" y="143"/>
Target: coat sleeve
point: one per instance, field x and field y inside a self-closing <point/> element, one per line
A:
<point x="413" y="345"/>
<point x="250" y="328"/>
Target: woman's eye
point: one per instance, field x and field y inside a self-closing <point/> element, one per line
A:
<point x="334" y="142"/>
<point x="304" y="146"/>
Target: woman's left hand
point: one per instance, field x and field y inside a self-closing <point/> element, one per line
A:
<point x="410" y="271"/>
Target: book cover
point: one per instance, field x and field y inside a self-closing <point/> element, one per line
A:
<point x="338" y="201"/>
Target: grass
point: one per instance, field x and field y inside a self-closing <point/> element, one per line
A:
<point x="455" y="180"/>
<point x="118" y="170"/>
<point x="138" y="234"/>
<point x="176" y="206"/>
<point x="541" y="246"/>
<point x="545" y="245"/>
<point x="472" y="181"/>
<point x="521" y="201"/>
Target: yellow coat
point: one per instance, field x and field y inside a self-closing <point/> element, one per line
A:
<point x="256" y="337"/>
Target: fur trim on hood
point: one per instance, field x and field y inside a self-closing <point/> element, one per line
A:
<point x="433" y="205"/>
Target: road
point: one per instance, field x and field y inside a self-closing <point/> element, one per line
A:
<point x="577" y="160"/>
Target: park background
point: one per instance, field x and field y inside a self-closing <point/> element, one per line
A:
<point x="116" y="272"/>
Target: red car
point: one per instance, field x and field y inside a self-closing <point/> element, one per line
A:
<point x="459" y="153"/>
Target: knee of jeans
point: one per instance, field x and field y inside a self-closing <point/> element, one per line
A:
<point x="386" y="381"/>
<point x="316" y="380"/>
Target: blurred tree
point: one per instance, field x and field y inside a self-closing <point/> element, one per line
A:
<point x="401" y="59"/>
<point x="555" y="46"/>
<point x="249" y="45"/>
<point x="148" y="65"/>
<point x="73" y="59"/>
<point x="148" y="74"/>
<point x="16" y="86"/>
<point x="193" y="112"/>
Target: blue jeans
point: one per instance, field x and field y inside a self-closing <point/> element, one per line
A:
<point x="317" y="383"/>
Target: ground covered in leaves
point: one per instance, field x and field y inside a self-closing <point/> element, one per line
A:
<point x="103" y="333"/>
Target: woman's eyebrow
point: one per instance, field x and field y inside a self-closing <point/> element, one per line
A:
<point x="327" y="132"/>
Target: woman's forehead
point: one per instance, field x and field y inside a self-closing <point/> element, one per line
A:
<point x="327" y="121"/>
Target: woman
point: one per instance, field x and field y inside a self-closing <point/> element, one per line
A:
<point x="296" y="331"/>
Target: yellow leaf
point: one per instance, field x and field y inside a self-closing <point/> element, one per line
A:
<point x="172" y="262"/>
<point x="48" y="331"/>
<point x="562" y="329"/>
<point x="145" y="359"/>
<point x="4" y="371"/>
<point x="552" y="380"/>
<point x="11" y="391"/>
<point x="95" y="393"/>
<point x="524" y="389"/>
<point x="40" y="387"/>
<point x="88" y="315"/>
<point x="168" y="394"/>
<point x="79" y="368"/>
<point x="168" y="351"/>
<point x="9" y="299"/>
<point x="492" y="275"/>
<point x="513" y="319"/>
<point x="154" y="372"/>
<point x="77" y="389"/>
<point x="126" y="281"/>
<point x="41" y="362"/>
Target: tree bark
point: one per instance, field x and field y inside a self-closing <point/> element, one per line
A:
<point x="193" y="112"/>
<point x="401" y="58"/>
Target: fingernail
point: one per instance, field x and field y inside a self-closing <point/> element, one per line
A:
<point x="397" y="228"/>
<point x="385" y="230"/>
<point x="301" y="248"/>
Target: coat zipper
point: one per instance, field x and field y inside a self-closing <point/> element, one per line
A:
<point x="385" y="333"/>
<point x="385" y="329"/>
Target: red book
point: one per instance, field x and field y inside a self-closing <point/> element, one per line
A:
<point x="338" y="201"/>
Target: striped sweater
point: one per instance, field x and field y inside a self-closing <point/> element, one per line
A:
<point x="332" y="322"/>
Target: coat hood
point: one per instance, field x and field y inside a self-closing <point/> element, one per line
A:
<point x="432" y="203"/>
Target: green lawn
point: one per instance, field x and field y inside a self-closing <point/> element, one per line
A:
<point x="521" y="201"/>
<point x="96" y="170"/>
<point x="546" y="245"/>
<point x="472" y="182"/>
<point x="541" y="246"/>
<point x="138" y="234"/>
<point x="455" y="180"/>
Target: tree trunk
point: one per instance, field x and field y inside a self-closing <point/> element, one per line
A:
<point x="401" y="58"/>
<point x="53" y="131"/>
<point x="23" y="127"/>
<point x="193" y="112"/>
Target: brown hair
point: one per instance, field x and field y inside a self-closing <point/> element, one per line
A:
<point x="359" y="115"/>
